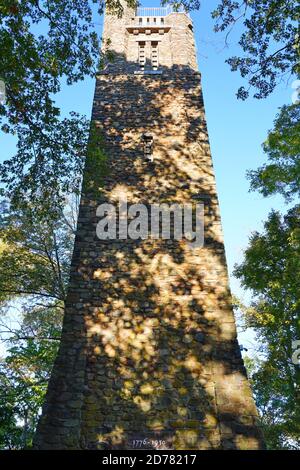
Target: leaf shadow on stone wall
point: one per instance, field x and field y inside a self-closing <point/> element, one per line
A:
<point x="149" y="351"/>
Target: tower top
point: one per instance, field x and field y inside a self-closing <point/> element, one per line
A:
<point x="148" y="40"/>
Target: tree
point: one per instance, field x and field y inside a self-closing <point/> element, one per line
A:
<point x="35" y="255"/>
<point x="24" y="373"/>
<point x="35" y="259"/>
<point x="42" y="43"/>
<point x="270" y="41"/>
<point x="32" y="64"/>
<point x="282" y="172"/>
<point x="271" y="269"/>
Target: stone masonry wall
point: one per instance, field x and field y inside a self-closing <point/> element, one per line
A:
<point x="175" y="38"/>
<point x="149" y="355"/>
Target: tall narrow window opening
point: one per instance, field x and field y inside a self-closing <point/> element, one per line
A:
<point x="154" y="55"/>
<point x="142" y="58"/>
<point x="148" y="146"/>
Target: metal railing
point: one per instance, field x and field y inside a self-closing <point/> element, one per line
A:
<point x="157" y="11"/>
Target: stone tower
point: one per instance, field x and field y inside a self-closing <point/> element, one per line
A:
<point x="149" y="356"/>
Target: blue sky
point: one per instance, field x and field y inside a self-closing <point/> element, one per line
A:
<point x="237" y="130"/>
